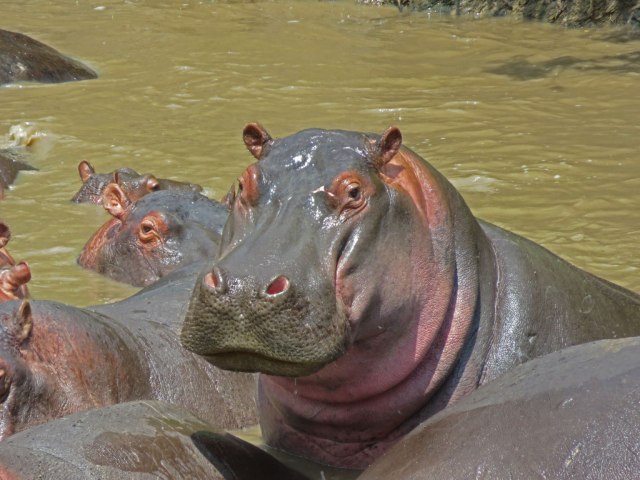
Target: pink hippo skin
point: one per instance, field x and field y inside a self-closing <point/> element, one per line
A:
<point x="13" y="276"/>
<point x="355" y="278"/>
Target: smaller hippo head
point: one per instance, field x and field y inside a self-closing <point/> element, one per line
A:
<point x="153" y="236"/>
<point x="132" y="183"/>
<point x="15" y="377"/>
<point x="13" y="281"/>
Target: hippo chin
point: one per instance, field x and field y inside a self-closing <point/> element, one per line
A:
<point x="354" y="275"/>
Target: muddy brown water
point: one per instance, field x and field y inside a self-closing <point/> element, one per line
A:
<point x="538" y="126"/>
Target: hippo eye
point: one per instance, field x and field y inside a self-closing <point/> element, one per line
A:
<point x="240" y="186"/>
<point x="353" y="191"/>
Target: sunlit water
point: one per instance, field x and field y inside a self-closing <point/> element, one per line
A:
<point x="538" y="126"/>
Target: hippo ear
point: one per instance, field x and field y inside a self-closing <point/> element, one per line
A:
<point x="114" y="200"/>
<point x="23" y="321"/>
<point x="12" y="280"/>
<point x="256" y="139"/>
<point x="85" y="170"/>
<point x="5" y="235"/>
<point x="387" y="146"/>
<point x="151" y="183"/>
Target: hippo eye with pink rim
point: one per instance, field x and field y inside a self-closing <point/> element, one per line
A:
<point x="349" y="192"/>
<point x="248" y="190"/>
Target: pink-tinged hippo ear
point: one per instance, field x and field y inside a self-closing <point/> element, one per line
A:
<point x="5" y="235"/>
<point x="114" y="200"/>
<point x="257" y="139"/>
<point x="151" y="183"/>
<point x="85" y="170"/>
<point x="13" y="281"/>
<point x="387" y="146"/>
<point x="23" y="321"/>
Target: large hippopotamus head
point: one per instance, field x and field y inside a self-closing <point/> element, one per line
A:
<point x="149" y="238"/>
<point x="342" y="276"/>
<point x="316" y="225"/>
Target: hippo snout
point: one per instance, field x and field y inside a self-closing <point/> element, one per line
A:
<point x="218" y="282"/>
<point x="268" y="324"/>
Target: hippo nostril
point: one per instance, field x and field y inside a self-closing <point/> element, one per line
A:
<point x="277" y="286"/>
<point x="215" y="280"/>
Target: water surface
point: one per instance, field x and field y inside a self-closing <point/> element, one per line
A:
<point x="538" y="126"/>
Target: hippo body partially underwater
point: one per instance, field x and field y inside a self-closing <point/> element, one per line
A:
<point x="24" y="59"/>
<point x="355" y="278"/>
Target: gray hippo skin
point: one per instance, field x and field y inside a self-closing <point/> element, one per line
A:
<point x="11" y="163"/>
<point x="149" y="238"/>
<point x="137" y="440"/>
<point x="56" y="360"/>
<point x="572" y="414"/>
<point x="353" y="275"/>
<point x="134" y="184"/>
<point x="23" y="59"/>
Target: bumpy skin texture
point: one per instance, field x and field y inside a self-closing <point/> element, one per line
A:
<point x="23" y="59"/>
<point x="569" y="414"/>
<point x="134" y="184"/>
<point x="137" y="440"/>
<point x="56" y="360"/>
<point x="354" y="274"/>
<point x="150" y="238"/>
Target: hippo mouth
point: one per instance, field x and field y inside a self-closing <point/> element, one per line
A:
<point x="252" y="362"/>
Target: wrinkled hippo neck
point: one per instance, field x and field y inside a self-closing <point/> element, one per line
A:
<point x="352" y="410"/>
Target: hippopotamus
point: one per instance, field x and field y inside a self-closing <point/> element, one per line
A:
<point x="56" y="360"/>
<point x="147" y="239"/>
<point x="11" y="163"/>
<point x="13" y="276"/>
<point x="134" y="184"/>
<point x="23" y="59"/>
<point x="142" y="440"/>
<point x="354" y="276"/>
<point x="568" y="414"/>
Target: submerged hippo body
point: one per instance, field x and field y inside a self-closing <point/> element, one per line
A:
<point x="23" y="59"/>
<point x="354" y="275"/>
<point x="141" y="440"/>
<point x="56" y="360"/>
<point x="11" y="163"/>
<point x="134" y="184"/>
<point x="147" y="239"/>
<point x="569" y="414"/>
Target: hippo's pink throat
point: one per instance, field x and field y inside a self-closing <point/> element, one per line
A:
<point x="348" y="413"/>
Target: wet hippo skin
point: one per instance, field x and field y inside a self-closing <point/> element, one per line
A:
<point x="137" y="440"/>
<point x="149" y="238"/>
<point x="354" y="277"/>
<point x="56" y="360"/>
<point x="23" y="59"/>
<point x="568" y="415"/>
<point x="13" y="276"/>
<point x="11" y="163"/>
<point x="133" y="184"/>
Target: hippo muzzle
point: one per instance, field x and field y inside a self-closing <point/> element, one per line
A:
<point x="272" y="327"/>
